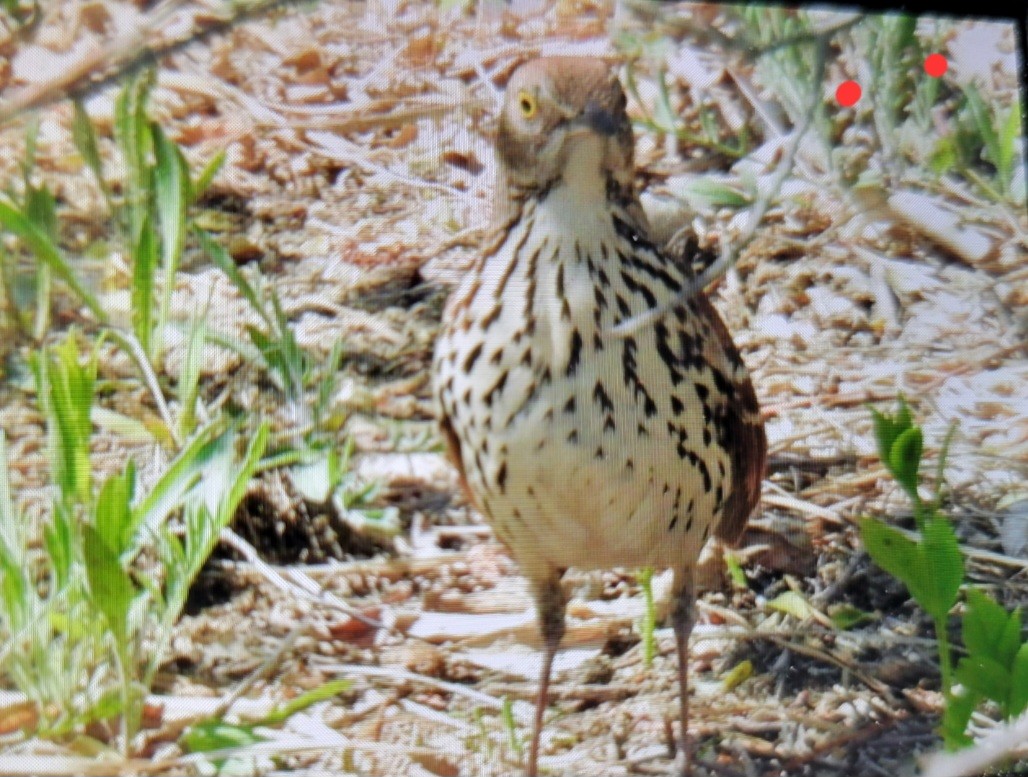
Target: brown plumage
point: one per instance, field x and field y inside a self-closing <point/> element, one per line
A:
<point x="580" y="447"/>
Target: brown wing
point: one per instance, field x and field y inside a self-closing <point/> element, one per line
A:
<point x="452" y="444"/>
<point x="746" y="436"/>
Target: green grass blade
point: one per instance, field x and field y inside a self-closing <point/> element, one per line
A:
<point x="172" y="195"/>
<point x="84" y="136"/>
<point x="206" y="176"/>
<point x="144" y="271"/>
<point x="109" y="583"/>
<point x="46" y="251"/>
<point x="224" y="262"/>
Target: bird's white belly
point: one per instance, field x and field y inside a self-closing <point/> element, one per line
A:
<point x="581" y="453"/>
<point x="594" y="498"/>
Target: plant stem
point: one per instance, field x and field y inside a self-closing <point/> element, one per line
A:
<point x="945" y="665"/>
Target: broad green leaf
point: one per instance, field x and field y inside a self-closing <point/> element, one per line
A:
<point x="114" y="509"/>
<point x="905" y="459"/>
<point x="890" y="549"/>
<point x="941" y="566"/>
<point x="1017" y="701"/>
<point x="989" y="630"/>
<point x="955" y="718"/>
<point x="887" y="429"/>
<point x="984" y="676"/>
<point x="110" y="585"/>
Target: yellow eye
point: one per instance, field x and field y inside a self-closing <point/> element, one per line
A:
<point x="527" y="104"/>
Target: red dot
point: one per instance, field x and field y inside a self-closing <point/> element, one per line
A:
<point x="935" y="65"/>
<point x="848" y="93"/>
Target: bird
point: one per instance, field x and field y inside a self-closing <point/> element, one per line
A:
<point x="581" y="446"/>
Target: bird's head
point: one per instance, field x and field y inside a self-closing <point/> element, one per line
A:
<point x="564" y="118"/>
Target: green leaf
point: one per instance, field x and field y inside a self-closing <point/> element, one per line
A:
<point x="15" y="585"/>
<point x="989" y="630"/>
<point x="172" y="191"/>
<point x="792" y="603"/>
<point x="735" y="571"/>
<point x="704" y="192"/>
<point x="110" y="585"/>
<point x="846" y="616"/>
<point x="955" y="718"/>
<point x="984" y="676"/>
<point x="114" y="509"/>
<point x="66" y="390"/>
<point x="905" y="459"/>
<point x="168" y="493"/>
<point x="189" y="377"/>
<point x="217" y="735"/>
<point x="324" y="692"/>
<point x="904" y="27"/>
<point x="889" y="548"/>
<point x="941" y="568"/>
<point x="41" y="209"/>
<point x="737" y="675"/>
<point x="60" y="544"/>
<point x="984" y="123"/>
<point x="211" y="169"/>
<point x="887" y="429"/>
<point x="144" y="270"/>
<point x="132" y="133"/>
<point x="1017" y="701"/>
<point x="1007" y="146"/>
<point x="943" y="157"/>
<point x="510" y="726"/>
<point x="217" y="254"/>
<point x="84" y="136"/>
<point x="663" y="114"/>
<point x="47" y="252"/>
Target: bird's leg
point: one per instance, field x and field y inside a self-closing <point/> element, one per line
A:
<point x="550" y="603"/>
<point x="682" y="621"/>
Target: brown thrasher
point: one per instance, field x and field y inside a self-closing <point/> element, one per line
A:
<point x="584" y="448"/>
